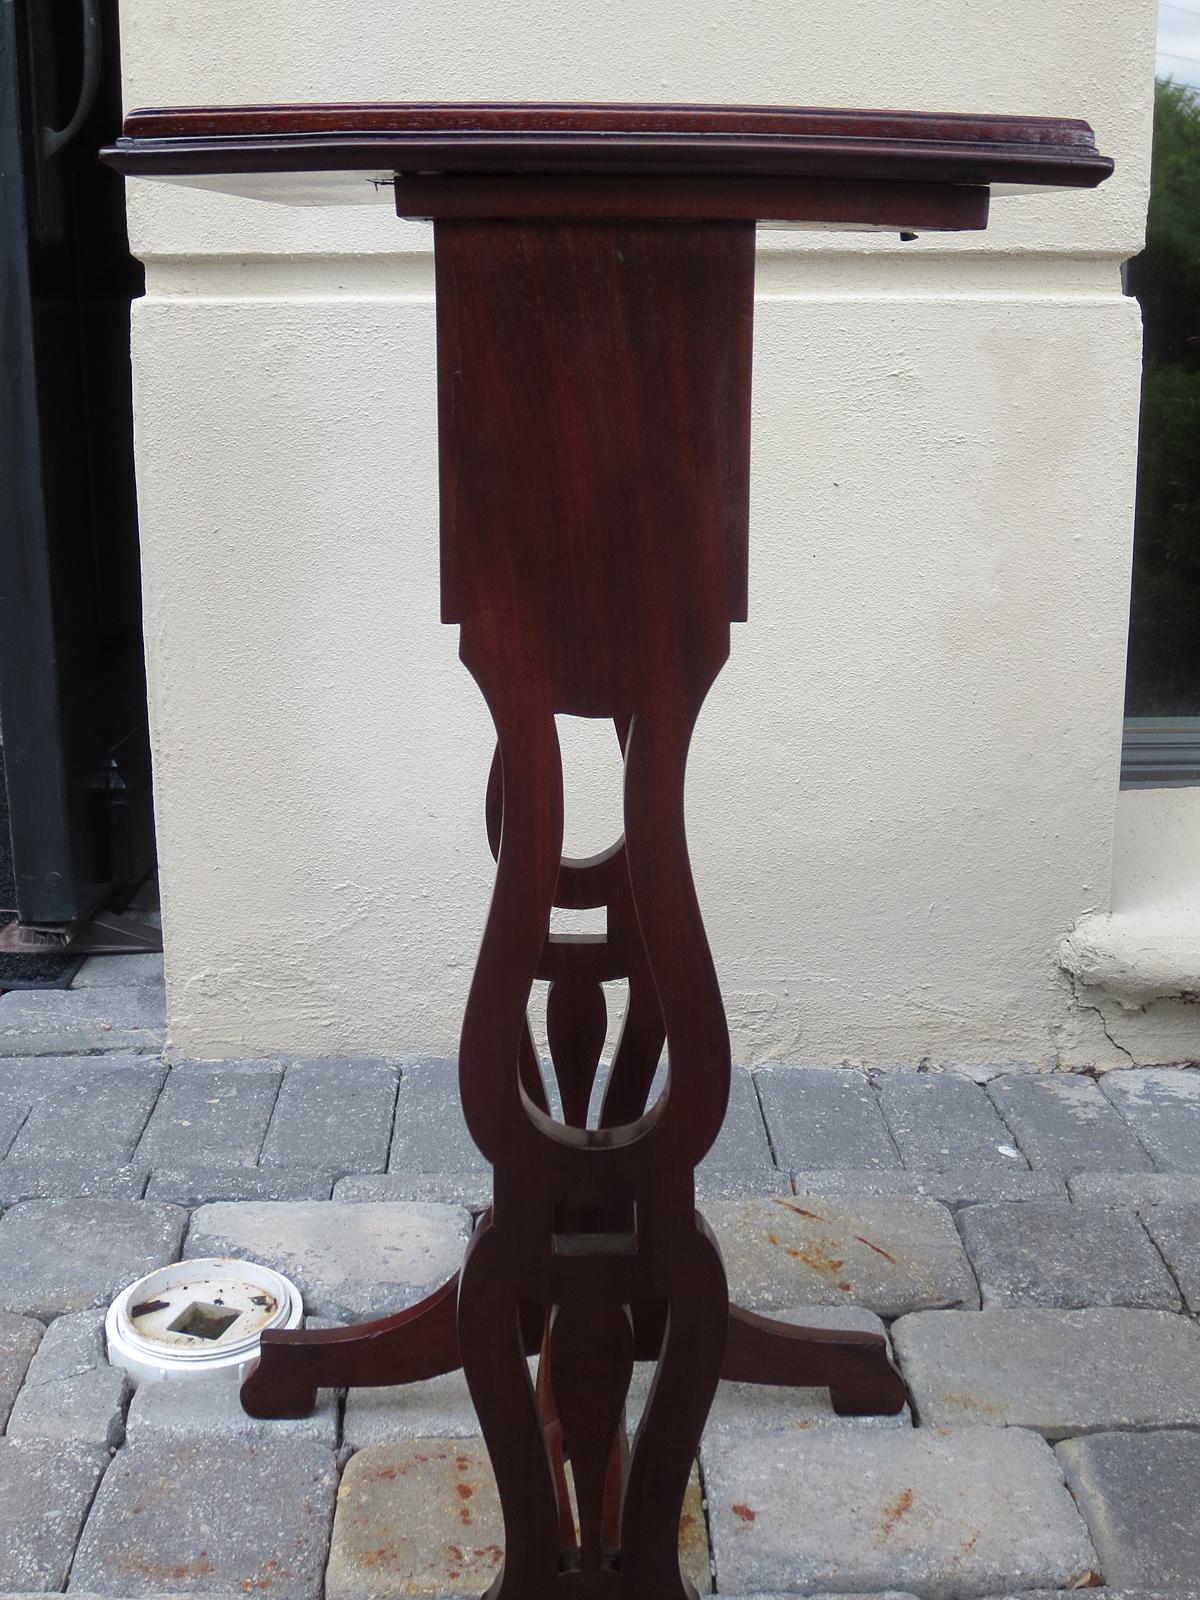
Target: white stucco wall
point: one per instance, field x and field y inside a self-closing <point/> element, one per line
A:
<point x="903" y="789"/>
<point x="1136" y="966"/>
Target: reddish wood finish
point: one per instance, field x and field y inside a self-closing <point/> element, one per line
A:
<point x="813" y="201"/>
<point x="594" y="344"/>
<point x="594" y="394"/>
<point x="785" y="141"/>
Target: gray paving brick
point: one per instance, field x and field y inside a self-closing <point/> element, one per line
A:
<point x="473" y="1190"/>
<point x="1104" y="1593"/>
<point x="333" y="1113"/>
<point x="64" y="1178"/>
<point x="822" y="1117"/>
<point x="86" y="1409"/>
<point x="419" y="1518"/>
<point x="95" y="1116"/>
<point x="941" y="1121"/>
<point x="1055" y="1253"/>
<point x="51" y="1093"/>
<point x="14" y="1108"/>
<point x="72" y="1021"/>
<point x="1162" y="1106"/>
<point x="31" y="1078"/>
<point x="210" y="1408"/>
<point x="1138" y="1494"/>
<point x="45" y="1491"/>
<point x="1136" y="1189"/>
<point x="438" y="1408"/>
<point x="984" y="1072"/>
<point x="106" y="972"/>
<point x="200" y="1185"/>
<point x="72" y="1344"/>
<point x="66" y="1255"/>
<point x="890" y="1256"/>
<point x="429" y="1136"/>
<point x="422" y="1518"/>
<point x="952" y="1189"/>
<point x="347" y="1261"/>
<point x="1062" y="1122"/>
<point x="1061" y="1372"/>
<point x="19" y="1338"/>
<point x="204" y="1515"/>
<point x="213" y="1114"/>
<point x="1176" y="1232"/>
<point x="740" y="1161"/>
<point x="942" y="1514"/>
<point x="1101" y="1593"/>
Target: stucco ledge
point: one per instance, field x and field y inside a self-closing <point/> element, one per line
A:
<point x="1136" y="956"/>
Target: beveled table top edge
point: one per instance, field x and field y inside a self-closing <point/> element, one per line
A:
<point x="762" y="140"/>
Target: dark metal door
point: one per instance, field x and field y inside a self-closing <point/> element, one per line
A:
<point x="72" y="684"/>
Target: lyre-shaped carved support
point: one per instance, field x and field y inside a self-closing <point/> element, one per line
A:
<point x="603" y="583"/>
<point x="594" y="1226"/>
<point x="576" y="967"/>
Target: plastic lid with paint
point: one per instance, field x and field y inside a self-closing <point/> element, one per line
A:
<point x="195" y="1317"/>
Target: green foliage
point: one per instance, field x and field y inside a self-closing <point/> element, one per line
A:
<point x="1166" y="276"/>
<point x="1164" y="641"/>
<point x="1164" y="646"/>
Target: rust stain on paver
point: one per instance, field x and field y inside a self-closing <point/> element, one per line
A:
<point x="427" y="1552"/>
<point x="878" y="1249"/>
<point x="962" y="1400"/>
<point x="745" y="1513"/>
<point x="464" y="1491"/>
<point x="894" y="1509"/>
<point x="790" y="1205"/>
<point x="383" y="1555"/>
<point x="201" y="1567"/>
<point x="818" y="1255"/>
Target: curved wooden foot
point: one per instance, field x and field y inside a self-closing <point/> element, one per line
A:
<point x="420" y="1342"/>
<point x="853" y="1366"/>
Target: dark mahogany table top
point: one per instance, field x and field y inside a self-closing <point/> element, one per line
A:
<point x="764" y="141"/>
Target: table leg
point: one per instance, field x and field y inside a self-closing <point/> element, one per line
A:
<point x="594" y="392"/>
<point x="594" y="1255"/>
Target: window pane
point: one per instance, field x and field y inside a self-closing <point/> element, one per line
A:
<point x="1164" y="643"/>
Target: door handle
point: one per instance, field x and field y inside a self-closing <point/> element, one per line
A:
<point x="54" y="139"/>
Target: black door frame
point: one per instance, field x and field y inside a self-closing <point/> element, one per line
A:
<point x="72" y="685"/>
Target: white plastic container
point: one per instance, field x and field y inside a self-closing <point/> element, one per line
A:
<point x="197" y="1317"/>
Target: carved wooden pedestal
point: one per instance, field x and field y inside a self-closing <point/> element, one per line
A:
<point x="594" y="344"/>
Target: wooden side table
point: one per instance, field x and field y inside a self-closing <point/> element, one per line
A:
<point x="595" y="283"/>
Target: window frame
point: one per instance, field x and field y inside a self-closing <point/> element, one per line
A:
<point x="1160" y="752"/>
